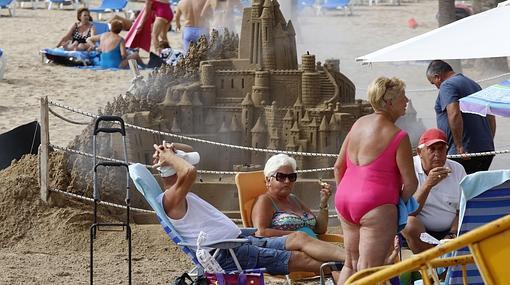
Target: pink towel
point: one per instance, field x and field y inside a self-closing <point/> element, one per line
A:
<point x="143" y="39"/>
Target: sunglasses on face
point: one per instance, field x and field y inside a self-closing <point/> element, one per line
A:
<point x="281" y="177"/>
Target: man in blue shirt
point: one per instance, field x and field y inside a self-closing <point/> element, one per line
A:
<point x="467" y="133"/>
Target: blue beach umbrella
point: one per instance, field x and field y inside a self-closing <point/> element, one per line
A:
<point x="493" y="100"/>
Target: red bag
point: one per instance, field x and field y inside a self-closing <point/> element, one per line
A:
<point x="255" y="277"/>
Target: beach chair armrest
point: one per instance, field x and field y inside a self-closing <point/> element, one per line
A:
<point x="248" y="231"/>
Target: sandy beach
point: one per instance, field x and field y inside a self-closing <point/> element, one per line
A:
<point x="41" y="244"/>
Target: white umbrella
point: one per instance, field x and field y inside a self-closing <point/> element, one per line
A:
<point x="482" y="35"/>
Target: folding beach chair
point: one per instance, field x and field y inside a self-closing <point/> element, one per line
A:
<point x="250" y="185"/>
<point x="108" y="6"/>
<point x="10" y="5"/>
<point x="101" y="27"/>
<point x="147" y="185"/>
<point x="485" y="197"/>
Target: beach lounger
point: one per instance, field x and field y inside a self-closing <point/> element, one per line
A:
<point x="10" y="5"/>
<point x="147" y="185"/>
<point x="485" y="198"/>
<point x="109" y="6"/>
<point x="62" y="3"/>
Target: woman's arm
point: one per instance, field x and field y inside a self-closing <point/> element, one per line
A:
<point x="262" y="215"/>
<point x="93" y="31"/>
<point x="340" y="165"/>
<point x="93" y="40"/>
<point x="123" y="52"/>
<point x="322" y="217"/>
<point x="406" y="167"/>
<point x="68" y="36"/>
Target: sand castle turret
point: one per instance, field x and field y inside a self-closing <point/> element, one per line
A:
<point x="261" y="88"/>
<point x="208" y="84"/>
<point x="186" y="113"/>
<point x="259" y="139"/>
<point x="310" y="81"/>
<point x="268" y="55"/>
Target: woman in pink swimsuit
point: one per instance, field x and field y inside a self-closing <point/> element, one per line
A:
<point x="151" y="26"/>
<point x="373" y="170"/>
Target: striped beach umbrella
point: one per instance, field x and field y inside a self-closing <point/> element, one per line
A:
<point x="493" y="100"/>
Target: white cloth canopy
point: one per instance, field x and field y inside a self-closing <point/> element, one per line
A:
<point x="481" y="35"/>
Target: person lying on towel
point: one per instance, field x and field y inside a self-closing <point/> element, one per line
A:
<point x="113" y="48"/>
<point x="190" y="215"/>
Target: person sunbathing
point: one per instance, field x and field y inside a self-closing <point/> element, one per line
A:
<point x="189" y="214"/>
<point x="113" y="48"/>
<point x="76" y="37"/>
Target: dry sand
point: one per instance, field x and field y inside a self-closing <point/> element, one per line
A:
<point x="42" y="244"/>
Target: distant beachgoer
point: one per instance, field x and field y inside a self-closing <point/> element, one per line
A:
<point x="126" y="22"/>
<point x="195" y="23"/>
<point x="76" y="37"/>
<point x="467" y="133"/>
<point x="151" y="26"/>
<point x="113" y="48"/>
<point x="373" y="171"/>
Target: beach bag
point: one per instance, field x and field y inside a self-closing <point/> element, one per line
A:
<point x="249" y="277"/>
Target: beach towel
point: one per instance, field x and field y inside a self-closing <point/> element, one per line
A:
<point x="404" y="209"/>
<point x="71" y="58"/>
<point x="143" y="39"/>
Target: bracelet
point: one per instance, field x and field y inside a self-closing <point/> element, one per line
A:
<point x="323" y="208"/>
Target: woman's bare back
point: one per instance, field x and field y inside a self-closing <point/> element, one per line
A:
<point x="369" y="137"/>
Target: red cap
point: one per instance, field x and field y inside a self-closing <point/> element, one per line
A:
<point x="432" y="136"/>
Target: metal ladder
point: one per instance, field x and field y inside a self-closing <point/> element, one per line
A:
<point x="97" y="226"/>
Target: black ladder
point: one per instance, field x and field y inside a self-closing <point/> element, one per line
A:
<point x="96" y="226"/>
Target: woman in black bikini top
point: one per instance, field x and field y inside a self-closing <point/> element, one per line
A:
<point x="76" y="37"/>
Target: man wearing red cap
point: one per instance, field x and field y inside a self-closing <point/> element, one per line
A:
<point x="438" y="192"/>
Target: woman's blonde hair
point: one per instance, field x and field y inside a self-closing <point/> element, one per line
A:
<point x="383" y="89"/>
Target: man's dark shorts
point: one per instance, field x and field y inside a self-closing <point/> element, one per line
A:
<point x="268" y="253"/>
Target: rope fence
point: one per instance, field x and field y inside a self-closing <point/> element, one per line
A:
<point x="44" y="178"/>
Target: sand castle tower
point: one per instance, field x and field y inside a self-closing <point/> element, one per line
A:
<point x="310" y="81"/>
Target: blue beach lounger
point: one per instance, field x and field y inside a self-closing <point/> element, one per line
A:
<point x="108" y="6"/>
<point x="10" y="5"/>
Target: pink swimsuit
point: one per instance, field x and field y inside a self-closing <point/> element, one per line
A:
<point x="369" y="186"/>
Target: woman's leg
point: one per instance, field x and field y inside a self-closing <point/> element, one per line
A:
<point x="317" y="249"/>
<point x="376" y="235"/>
<point x="351" y="243"/>
<point x="157" y="27"/>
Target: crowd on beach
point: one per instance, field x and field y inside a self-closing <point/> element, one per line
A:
<point x="148" y="29"/>
<point x="375" y="172"/>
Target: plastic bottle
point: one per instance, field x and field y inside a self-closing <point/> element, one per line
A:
<point x="191" y="157"/>
<point x="208" y="262"/>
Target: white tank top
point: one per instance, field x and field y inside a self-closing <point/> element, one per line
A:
<point x="202" y="216"/>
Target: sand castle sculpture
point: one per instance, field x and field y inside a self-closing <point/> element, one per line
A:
<point x="247" y="91"/>
<point x="260" y="99"/>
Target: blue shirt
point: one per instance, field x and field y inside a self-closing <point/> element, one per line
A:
<point x="477" y="135"/>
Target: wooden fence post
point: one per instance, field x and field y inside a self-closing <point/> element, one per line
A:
<point x="44" y="150"/>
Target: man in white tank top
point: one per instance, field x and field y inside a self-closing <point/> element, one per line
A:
<point x="190" y="214"/>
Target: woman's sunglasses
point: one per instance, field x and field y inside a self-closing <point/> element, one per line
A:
<point x="281" y="177"/>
